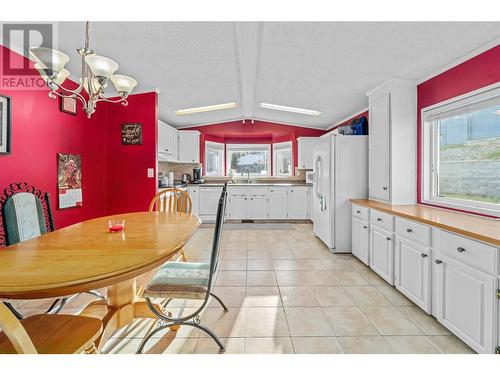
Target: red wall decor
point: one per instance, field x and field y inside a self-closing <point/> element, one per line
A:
<point x="258" y="132"/>
<point x="475" y="73"/>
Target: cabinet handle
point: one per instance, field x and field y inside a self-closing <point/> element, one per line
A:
<point x="423" y="255"/>
<point x="388" y="238"/>
<point x="409" y="230"/>
<point x="379" y="219"/>
<point x="365" y="227"/>
<point x="437" y="261"/>
<point x="251" y="199"/>
<point x="358" y="211"/>
<point x="460" y="249"/>
<point x="384" y="188"/>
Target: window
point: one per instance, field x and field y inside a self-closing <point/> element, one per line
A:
<point x="254" y="158"/>
<point x="282" y="156"/>
<point x="461" y="153"/>
<point x="214" y="159"/>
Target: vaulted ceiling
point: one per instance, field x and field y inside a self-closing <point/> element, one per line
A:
<point x="325" y="66"/>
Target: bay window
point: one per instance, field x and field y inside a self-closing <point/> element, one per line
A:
<point x="214" y="158"/>
<point x="282" y="156"/>
<point x="254" y="158"/>
<point x="461" y="153"/>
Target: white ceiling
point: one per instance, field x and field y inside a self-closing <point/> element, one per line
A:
<point x="326" y="66"/>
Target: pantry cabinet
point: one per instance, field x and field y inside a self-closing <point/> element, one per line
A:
<point x="305" y="152"/>
<point x="412" y="272"/>
<point x="466" y="302"/>
<point x="392" y="142"/>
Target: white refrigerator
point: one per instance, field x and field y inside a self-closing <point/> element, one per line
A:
<point x="340" y="174"/>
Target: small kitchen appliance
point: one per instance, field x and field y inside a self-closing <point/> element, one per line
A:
<point x="309" y="177"/>
<point x="197" y="176"/>
<point x="186" y="178"/>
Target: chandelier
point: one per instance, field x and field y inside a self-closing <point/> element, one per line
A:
<point x="97" y="71"/>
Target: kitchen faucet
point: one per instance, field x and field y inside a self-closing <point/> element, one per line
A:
<point x="248" y="174"/>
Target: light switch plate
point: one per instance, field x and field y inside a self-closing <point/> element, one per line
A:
<point x="151" y="172"/>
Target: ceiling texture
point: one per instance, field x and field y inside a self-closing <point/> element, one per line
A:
<point x="325" y="66"/>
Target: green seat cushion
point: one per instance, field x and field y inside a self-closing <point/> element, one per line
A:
<point x="184" y="280"/>
<point x="24" y="219"/>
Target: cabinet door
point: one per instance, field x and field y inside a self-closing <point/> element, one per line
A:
<point x="277" y="203"/>
<point x="258" y="207"/>
<point x="297" y="203"/>
<point x="167" y="141"/>
<point x="466" y="303"/>
<point x="209" y="198"/>
<point x="238" y="207"/>
<point x="412" y="272"/>
<point x="189" y="147"/>
<point x="194" y="193"/>
<point x="305" y="152"/>
<point x="381" y="253"/>
<point x="360" y="239"/>
<point x="379" y="149"/>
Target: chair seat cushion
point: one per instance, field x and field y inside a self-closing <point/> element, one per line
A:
<point x="57" y="334"/>
<point x="184" y="280"/>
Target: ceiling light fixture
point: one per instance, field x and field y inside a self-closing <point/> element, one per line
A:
<point x="96" y="70"/>
<point x="208" y="108"/>
<point x="303" y="111"/>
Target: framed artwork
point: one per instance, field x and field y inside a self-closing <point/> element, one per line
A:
<point x="131" y="134"/>
<point x="69" y="180"/>
<point x="5" y="124"/>
<point x="68" y="105"/>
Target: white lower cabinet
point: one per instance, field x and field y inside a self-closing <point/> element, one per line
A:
<point x="258" y="208"/>
<point x="297" y="202"/>
<point x="412" y="272"/>
<point x="382" y="253"/>
<point x="194" y="193"/>
<point x="278" y="203"/>
<point x="209" y="199"/>
<point x="466" y="303"/>
<point x="360" y="239"/>
<point x="238" y="207"/>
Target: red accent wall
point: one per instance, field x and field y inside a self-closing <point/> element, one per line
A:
<point x="129" y="188"/>
<point x="258" y="132"/>
<point x="475" y="73"/>
<point x="114" y="177"/>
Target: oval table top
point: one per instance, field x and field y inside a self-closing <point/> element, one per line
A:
<point x="87" y="256"/>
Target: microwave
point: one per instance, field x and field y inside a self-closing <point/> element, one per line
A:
<point x="309" y="177"/>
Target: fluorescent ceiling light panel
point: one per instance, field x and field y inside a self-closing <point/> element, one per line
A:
<point x="207" y="108"/>
<point x="303" y="111"/>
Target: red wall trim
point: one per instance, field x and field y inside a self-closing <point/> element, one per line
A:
<point x="480" y="71"/>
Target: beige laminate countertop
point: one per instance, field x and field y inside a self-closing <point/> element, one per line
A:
<point x="482" y="229"/>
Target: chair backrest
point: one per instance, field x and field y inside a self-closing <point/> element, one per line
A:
<point x="219" y="222"/>
<point x="15" y="332"/>
<point x="171" y="200"/>
<point x="25" y="214"/>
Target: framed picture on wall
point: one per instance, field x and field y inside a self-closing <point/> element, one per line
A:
<point x="5" y="124"/>
<point x="68" y="105"/>
<point x="131" y="134"/>
<point x="69" y="180"/>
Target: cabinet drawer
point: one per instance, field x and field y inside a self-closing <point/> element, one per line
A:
<point x="361" y="212"/>
<point x="258" y="191"/>
<point x="382" y="220"/>
<point x="413" y="231"/>
<point x="469" y="251"/>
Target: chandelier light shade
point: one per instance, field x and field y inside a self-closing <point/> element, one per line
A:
<point x="49" y="59"/>
<point x="97" y="71"/>
<point x="101" y="66"/>
<point x="123" y="84"/>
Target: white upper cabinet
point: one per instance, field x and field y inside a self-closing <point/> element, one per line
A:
<point x="189" y="146"/>
<point x="393" y="142"/>
<point x="305" y="152"/>
<point x="168" y="142"/>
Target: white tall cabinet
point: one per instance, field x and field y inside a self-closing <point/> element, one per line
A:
<point x="392" y="142"/>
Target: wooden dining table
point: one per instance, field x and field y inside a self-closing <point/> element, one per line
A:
<point x="87" y="256"/>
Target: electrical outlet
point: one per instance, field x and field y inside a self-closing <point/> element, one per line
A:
<point x="151" y="172"/>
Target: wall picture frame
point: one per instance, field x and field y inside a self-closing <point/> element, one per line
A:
<point x="132" y="134"/>
<point x="68" y="105"/>
<point x="5" y="124"/>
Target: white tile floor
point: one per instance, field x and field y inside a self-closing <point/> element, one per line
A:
<point x="287" y="293"/>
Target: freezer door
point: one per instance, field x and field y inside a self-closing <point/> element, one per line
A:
<point x="321" y="191"/>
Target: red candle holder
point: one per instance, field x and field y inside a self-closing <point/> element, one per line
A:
<point x="116" y="225"/>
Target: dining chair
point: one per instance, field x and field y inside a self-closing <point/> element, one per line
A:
<point x="26" y="214"/>
<point x="48" y="334"/>
<point x="189" y="281"/>
<point x="172" y="200"/>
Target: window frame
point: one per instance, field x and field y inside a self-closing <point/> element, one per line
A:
<point x="278" y="146"/>
<point x="222" y="163"/>
<point x="429" y="153"/>
<point x="249" y="146"/>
